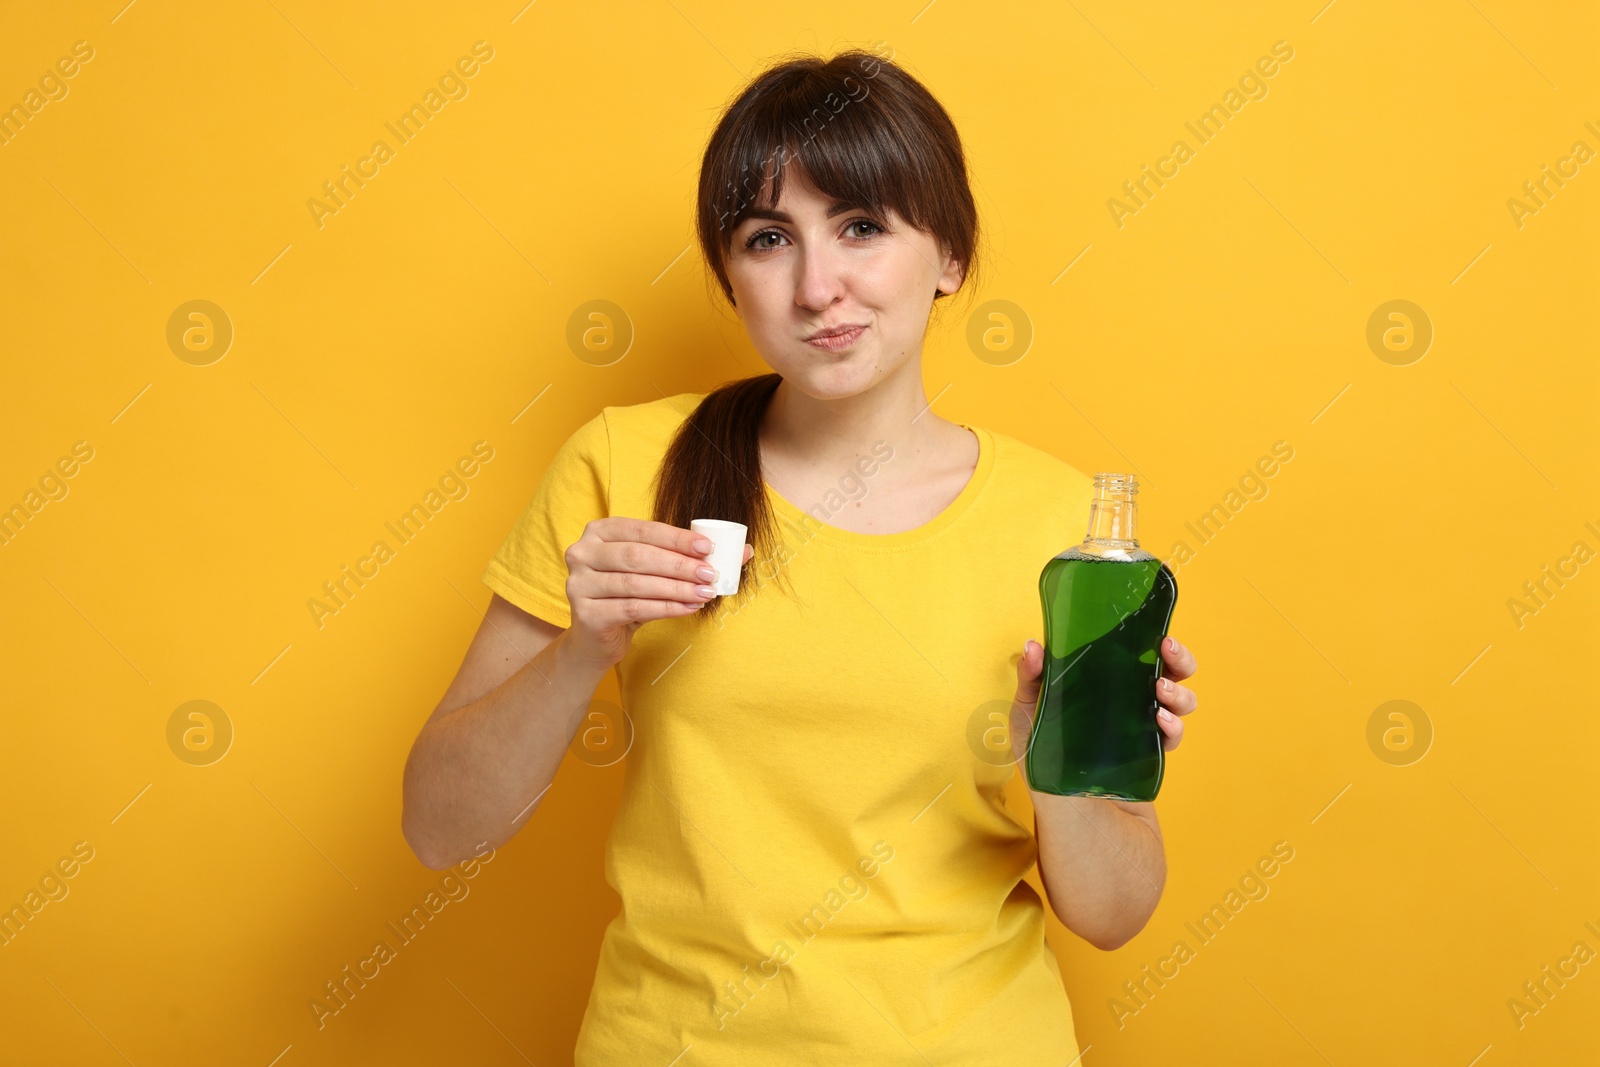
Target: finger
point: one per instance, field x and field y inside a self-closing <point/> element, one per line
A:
<point x="1179" y="699"/>
<point x="1029" y="672"/>
<point x="616" y="611"/>
<point x="749" y="550"/>
<point x="650" y="532"/>
<point x="1179" y="660"/>
<point x="602" y="585"/>
<point x="639" y="557"/>
<point x="1029" y="676"/>
<point x="1171" y="729"/>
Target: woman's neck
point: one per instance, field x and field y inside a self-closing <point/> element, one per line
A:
<point x="803" y="430"/>
<point x="897" y="463"/>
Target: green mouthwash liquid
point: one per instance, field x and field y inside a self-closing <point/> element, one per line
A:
<point x="1107" y="603"/>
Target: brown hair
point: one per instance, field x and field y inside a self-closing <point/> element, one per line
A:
<point x="862" y="130"/>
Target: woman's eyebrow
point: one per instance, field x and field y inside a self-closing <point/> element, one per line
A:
<point x="838" y="207"/>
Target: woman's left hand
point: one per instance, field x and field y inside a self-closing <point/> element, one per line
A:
<point x="1175" y="700"/>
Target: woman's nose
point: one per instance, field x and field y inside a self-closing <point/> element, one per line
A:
<point x="820" y="279"/>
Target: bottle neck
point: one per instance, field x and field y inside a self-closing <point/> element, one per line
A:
<point x="1113" y="513"/>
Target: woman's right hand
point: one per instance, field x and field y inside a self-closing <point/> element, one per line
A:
<point x="625" y="572"/>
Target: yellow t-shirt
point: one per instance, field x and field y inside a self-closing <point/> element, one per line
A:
<point x="813" y="850"/>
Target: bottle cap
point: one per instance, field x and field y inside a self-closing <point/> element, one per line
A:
<point x="727" y="551"/>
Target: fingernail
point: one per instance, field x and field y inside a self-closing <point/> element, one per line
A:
<point x="1172" y="644"/>
<point x="702" y="545"/>
<point x="1166" y="716"/>
<point x="705" y="572"/>
<point x="1166" y="686"/>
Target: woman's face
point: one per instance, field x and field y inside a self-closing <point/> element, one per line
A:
<point x="811" y="267"/>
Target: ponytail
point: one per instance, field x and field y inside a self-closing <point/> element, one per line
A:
<point x="712" y="470"/>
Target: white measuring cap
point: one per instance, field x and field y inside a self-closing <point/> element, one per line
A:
<point x="727" y="551"/>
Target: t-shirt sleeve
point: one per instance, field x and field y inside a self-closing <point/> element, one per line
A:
<point x="530" y="568"/>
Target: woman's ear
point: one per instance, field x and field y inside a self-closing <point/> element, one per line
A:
<point x="953" y="275"/>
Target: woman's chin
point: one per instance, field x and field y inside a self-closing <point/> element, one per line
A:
<point x="834" y="377"/>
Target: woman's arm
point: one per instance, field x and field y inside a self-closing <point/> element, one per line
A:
<point x="493" y="745"/>
<point x="1102" y="864"/>
<point x="1102" y="861"/>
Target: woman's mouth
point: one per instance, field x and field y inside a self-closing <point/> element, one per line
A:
<point x="837" y="340"/>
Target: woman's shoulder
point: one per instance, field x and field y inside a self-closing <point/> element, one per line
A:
<point x="634" y="438"/>
<point x="652" y="418"/>
<point x="1017" y="459"/>
<point x="1033" y="502"/>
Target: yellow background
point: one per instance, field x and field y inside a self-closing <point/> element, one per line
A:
<point x="369" y="354"/>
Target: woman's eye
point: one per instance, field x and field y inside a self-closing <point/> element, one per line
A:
<point x="768" y="240"/>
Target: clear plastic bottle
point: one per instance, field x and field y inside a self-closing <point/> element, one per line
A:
<point x="1107" y="604"/>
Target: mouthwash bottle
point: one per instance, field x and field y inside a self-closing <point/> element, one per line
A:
<point x="1107" y="603"/>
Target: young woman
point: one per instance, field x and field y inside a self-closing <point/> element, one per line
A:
<point x="814" y="854"/>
